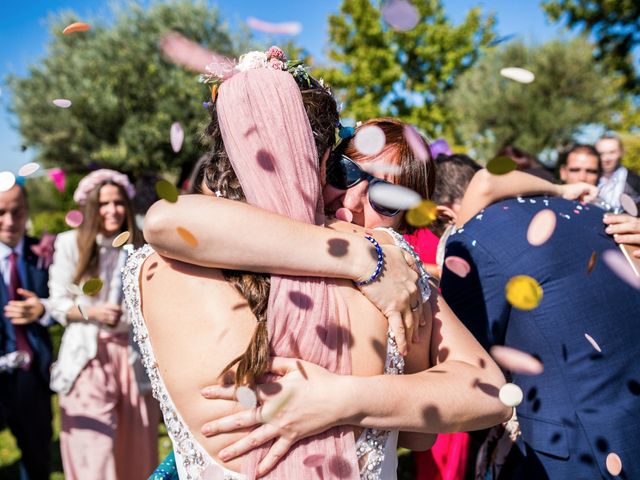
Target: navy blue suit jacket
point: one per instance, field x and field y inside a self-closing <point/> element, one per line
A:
<point x="586" y="404"/>
<point x="36" y="280"/>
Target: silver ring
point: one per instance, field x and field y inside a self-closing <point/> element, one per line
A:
<point x="416" y="306"/>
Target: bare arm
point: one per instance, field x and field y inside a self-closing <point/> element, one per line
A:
<point x="485" y="189"/>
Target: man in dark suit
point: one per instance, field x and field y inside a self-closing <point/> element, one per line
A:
<point x="586" y="403"/>
<point x="25" y="401"/>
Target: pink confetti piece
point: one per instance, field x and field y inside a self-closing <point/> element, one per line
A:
<point x="619" y="265"/>
<point x="400" y="14"/>
<point x="629" y="205"/>
<point x="7" y="181"/>
<point x="541" y="227"/>
<point x="246" y="397"/>
<point x="189" y="54"/>
<point x="344" y="214"/>
<point x="62" y="102"/>
<point x="614" y="464"/>
<point x="28" y="169"/>
<point x="593" y="343"/>
<point x="394" y="196"/>
<point x="314" y="460"/>
<point x="416" y="143"/>
<point x="285" y="28"/>
<point x="516" y="361"/>
<point x="74" y="218"/>
<point x="369" y="140"/>
<point x="58" y="177"/>
<point x="177" y="136"/>
<point x="458" y="265"/>
<point x="381" y="168"/>
<point x="76" y="27"/>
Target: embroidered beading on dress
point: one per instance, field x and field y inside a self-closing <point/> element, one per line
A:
<point x="193" y="457"/>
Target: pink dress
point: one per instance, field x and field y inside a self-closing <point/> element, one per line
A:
<point x="447" y="459"/>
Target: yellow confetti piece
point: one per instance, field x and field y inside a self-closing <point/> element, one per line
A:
<point x="92" y="286"/>
<point x="187" y="236"/>
<point x="423" y="214"/>
<point x="523" y="292"/>
<point x="592" y="262"/>
<point x="501" y="165"/>
<point x="167" y="191"/>
<point x="120" y="240"/>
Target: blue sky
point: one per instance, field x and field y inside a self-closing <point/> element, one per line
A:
<point x="24" y="36"/>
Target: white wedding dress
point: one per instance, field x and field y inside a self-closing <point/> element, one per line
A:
<point x="376" y="449"/>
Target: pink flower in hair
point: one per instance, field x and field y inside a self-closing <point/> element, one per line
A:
<point x="276" y="52"/>
<point x="276" y="64"/>
<point x="97" y="178"/>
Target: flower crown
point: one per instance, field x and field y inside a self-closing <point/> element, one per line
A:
<point x="274" y="58"/>
<point x="98" y="177"/>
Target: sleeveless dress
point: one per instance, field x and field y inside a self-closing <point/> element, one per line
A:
<point x="376" y="449"/>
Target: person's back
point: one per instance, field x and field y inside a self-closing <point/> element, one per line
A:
<point x="584" y="405"/>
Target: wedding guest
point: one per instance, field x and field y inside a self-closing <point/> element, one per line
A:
<point x="109" y="419"/>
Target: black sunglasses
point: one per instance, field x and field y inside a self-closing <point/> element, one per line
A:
<point x="344" y="173"/>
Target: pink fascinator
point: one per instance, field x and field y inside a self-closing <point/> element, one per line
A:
<point x="98" y="177"/>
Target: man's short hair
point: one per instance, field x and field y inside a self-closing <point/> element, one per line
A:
<point x="453" y="174"/>
<point x="579" y="148"/>
<point x="612" y="136"/>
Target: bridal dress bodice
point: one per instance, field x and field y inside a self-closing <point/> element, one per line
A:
<point x="376" y="449"/>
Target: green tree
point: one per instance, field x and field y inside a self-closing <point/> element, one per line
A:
<point x="382" y="71"/>
<point x="613" y="23"/>
<point x="569" y="90"/>
<point x="125" y="95"/>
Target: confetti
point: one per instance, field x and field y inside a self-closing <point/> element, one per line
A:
<point x="614" y="464"/>
<point x="285" y="28"/>
<point x="268" y="415"/>
<point x="187" y="236"/>
<point x="629" y="205"/>
<point x="189" y="54"/>
<point x="76" y="27"/>
<point x="394" y="196"/>
<point x="593" y="343"/>
<point x="315" y="460"/>
<point x="167" y="191"/>
<point x="422" y="214"/>
<point x="74" y="289"/>
<point x="619" y="265"/>
<point x="344" y="214"/>
<point x="84" y="314"/>
<point x="369" y="140"/>
<point x="517" y="74"/>
<point x="28" y="169"/>
<point x="121" y="239"/>
<point x="592" y="262"/>
<point x="523" y="292"/>
<point x="511" y="395"/>
<point x="416" y="143"/>
<point x="58" y="177"/>
<point x="92" y="286"/>
<point x="62" y="102"/>
<point x="541" y="227"/>
<point x="246" y="397"/>
<point x="177" y="136"/>
<point x="74" y="218"/>
<point x="381" y="167"/>
<point x="516" y="360"/>
<point x="458" y="266"/>
<point x="400" y="14"/>
<point x="7" y="181"/>
<point x="501" y="165"/>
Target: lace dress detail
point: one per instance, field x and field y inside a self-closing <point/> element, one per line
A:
<point x="192" y="460"/>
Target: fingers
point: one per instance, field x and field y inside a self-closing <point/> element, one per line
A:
<point x="219" y="392"/>
<point x="626" y="227"/>
<point x="26" y="293"/>
<point x="255" y="438"/>
<point x="628" y="239"/>
<point x="231" y="423"/>
<point x="611" y="218"/>
<point x="397" y="327"/>
<point x="274" y="455"/>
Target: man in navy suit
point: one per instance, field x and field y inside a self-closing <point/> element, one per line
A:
<point x="25" y="401"/>
<point x="586" y="403"/>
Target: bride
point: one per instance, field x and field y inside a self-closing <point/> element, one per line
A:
<point x="190" y="344"/>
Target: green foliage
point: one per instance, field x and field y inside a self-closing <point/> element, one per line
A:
<point x="125" y="94"/>
<point x="613" y="23"/>
<point x="569" y="90"/>
<point x="631" y="157"/>
<point x="381" y="71"/>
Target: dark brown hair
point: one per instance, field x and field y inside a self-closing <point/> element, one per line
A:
<point x="414" y="174"/>
<point x="88" y="257"/>
<point x="219" y="177"/>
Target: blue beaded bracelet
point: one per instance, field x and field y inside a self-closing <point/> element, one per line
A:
<point x="379" y="266"/>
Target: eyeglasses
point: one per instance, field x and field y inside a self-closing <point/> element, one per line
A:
<point x="344" y="173"/>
